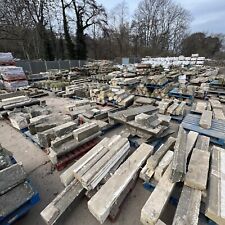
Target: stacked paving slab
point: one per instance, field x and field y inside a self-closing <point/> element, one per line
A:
<point x="15" y="189"/>
<point x="13" y="77"/>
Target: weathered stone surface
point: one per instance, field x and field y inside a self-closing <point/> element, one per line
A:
<point x="59" y="205"/>
<point x="197" y="174"/>
<point x="143" y="175"/>
<point x="165" y="119"/>
<point x="180" y="157"/>
<point x="14" y="198"/>
<point x="156" y="203"/>
<point x="85" y="131"/>
<point x="148" y="120"/>
<point x="78" y="104"/>
<point x="64" y="128"/>
<point x="127" y="101"/>
<point x="143" y="118"/>
<point x="191" y="140"/>
<point x="47" y="136"/>
<point x="202" y="143"/>
<point x="172" y="108"/>
<point x="215" y="207"/>
<point x="5" y="159"/>
<point x="129" y="114"/>
<point x="67" y="176"/>
<point x="153" y="161"/>
<point x="163" y="105"/>
<point x="188" y="207"/>
<point x="96" y="173"/>
<point x="68" y="146"/>
<point x="22" y="104"/>
<point x="61" y="140"/>
<point x="218" y="114"/>
<point x="103" y="201"/>
<point x="13" y="100"/>
<point x="143" y="100"/>
<point x="11" y="177"/>
<point x="115" y="210"/>
<point x="180" y="109"/>
<point x="11" y="95"/>
<point x="78" y="174"/>
<point x="163" y="164"/>
<point x="201" y="106"/>
<point x="35" y="121"/>
<point x="215" y="104"/>
<point x="43" y="126"/>
<point x="37" y="110"/>
<point x="206" y="119"/>
<point x="18" y="120"/>
<point x="160" y="222"/>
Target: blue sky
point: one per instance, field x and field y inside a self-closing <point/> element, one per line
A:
<point x="208" y="15"/>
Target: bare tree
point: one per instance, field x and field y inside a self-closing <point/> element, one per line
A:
<point x="39" y="13"/>
<point x="45" y="28"/>
<point x="163" y="24"/>
<point x="15" y="23"/>
<point x="120" y="28"/>
<point x="87" y="13"/>
<point x="69" y="43"/>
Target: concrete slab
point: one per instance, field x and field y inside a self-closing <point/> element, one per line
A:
<point x="206" y="119"/>
<point x="102" y="202"/>
<point x="188" y="207"/>
<point x="180" y="156"/>
<point x="154" y="206"/>
<point x="11" y="177"/>
<point x="15" y="198"/>
<point x="198" y="167"/>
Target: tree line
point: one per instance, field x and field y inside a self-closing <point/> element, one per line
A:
<point x="81" y="29"/>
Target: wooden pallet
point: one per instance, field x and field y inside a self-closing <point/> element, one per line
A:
<point x="177" y="118"/>
<point x="216" y="132"/>
<point x="175" y="93"/>
<point x="19" y="212"/>
<point x="32" y="138"/>
<point x="174" y="201"/>
<point x="66" y="159"/>
<point x="157" y="86"/>
<point x="216" y="92"/>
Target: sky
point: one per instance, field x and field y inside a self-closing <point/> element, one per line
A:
<point x="207" y="15"/>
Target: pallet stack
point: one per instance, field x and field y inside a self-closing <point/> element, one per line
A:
<point x="143" y="69"/>
<point x="17" y="196"/>
<point x="155" y="80"/>
<point x="193" y="174"/>
<point x="13" y="77"/>
<point x="213" y="105"/>
<point x="19" y="99"/>
<point x="172" y="107"/>
<point x="90" y="171"/>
